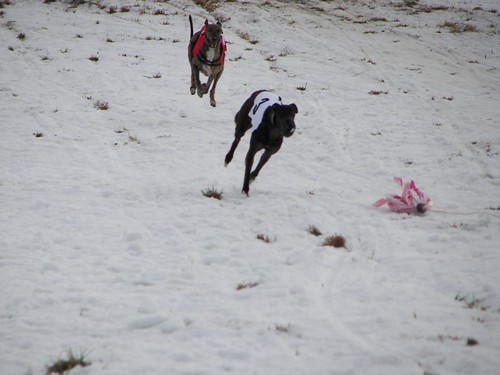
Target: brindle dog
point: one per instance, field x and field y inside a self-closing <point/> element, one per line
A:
<point x="206" y="57"/>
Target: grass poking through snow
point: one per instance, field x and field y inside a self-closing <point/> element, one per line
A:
<point x="212" y="192"/>
<point x="314" y="231"/>
<point x="334" y="241"/>
<point x="246" y="286"/>
<point x="101" y="105"/>
<point x="265" y="238"/>
<point x="63" y="366"/>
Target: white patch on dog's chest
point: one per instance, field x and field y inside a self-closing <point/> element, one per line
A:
<point x="262" y="102"/>
<point x="206" y="69"/>
<point x="210" y="54"/>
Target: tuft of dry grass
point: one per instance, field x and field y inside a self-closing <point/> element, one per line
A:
<point x="378" y="92"/>
<point x="245" y="36"/>
<point x="212" y="192"/>
<point x="336" y="241"/>
<point x="159" y="12"/>
<point x="62" y="366"/>
<point x="208" y="5"/>
<point x="264" y="238"/>
<point x="302" y="88"/>
<point x="472" y="303"/>
<point x="443" y="338"/>
<point x="282" y="328"/>
<point x="134" y="139"/>
<point x="155" y="75"/>
<point x="431" y="8"/>
<point x="246" y="286"/>
<point x="21" y="36"/>
<point x="471" y="341"/>
<point x="378" y="19"/>
<point x="101" y="105"/>
<point x="94" y="58"/>
<point x="458" y="28"/>
<point x="314" y="231"/>
<point x="410" y="3"/>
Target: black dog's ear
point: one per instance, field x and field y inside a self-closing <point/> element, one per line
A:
<point x="206" y="22"/>
<point x="271" y="113"/>
<point x="294" y="107"/>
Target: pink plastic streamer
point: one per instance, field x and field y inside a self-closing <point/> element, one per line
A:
<point x="412" y="200"/>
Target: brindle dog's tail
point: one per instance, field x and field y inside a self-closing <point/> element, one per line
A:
<point x="191" y="23"/>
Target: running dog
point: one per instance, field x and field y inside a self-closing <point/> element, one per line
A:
<point x="269" y="121"/>
<point x="206" y="54"/>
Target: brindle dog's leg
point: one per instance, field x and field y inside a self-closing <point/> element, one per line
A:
<point x="206" y="86"/>
<point x="196" y="74"/>
<point x="212" y="91"/>
<point x="192" y="89"/>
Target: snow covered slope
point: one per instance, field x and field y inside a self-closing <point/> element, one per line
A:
<point x="109" y="248"/>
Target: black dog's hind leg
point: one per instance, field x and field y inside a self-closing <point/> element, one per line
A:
<point x="230" y="154"/>
<point x="242" y="125"/>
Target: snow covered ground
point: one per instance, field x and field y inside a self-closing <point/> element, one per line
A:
<point x="108" y="247"/>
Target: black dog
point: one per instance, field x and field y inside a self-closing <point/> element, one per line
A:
<point x="270" y="121"/>
<point x="206" y="53"/>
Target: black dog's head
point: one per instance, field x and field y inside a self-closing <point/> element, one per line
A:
<point x="284" y="118"/>
<point x="213" y="33"/>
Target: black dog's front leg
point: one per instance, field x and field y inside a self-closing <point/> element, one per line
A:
<point x="263" y="160"/>
<point x="255" y="146"/>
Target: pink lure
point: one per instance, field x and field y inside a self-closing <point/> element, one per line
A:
<point x="411" y="201"/>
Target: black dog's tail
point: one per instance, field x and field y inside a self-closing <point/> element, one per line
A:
<point x="191" y="23"/>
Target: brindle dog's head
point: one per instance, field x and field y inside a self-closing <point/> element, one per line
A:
<point x="284" y="118"/>
<point x="213" y="33"/>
